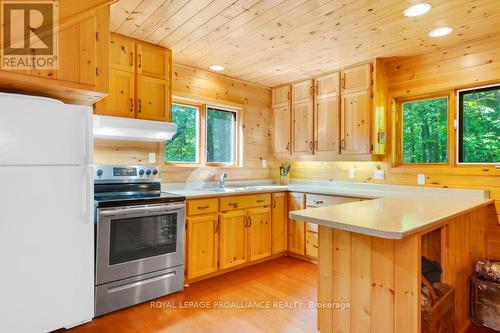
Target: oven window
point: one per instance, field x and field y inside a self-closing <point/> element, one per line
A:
<point x="142" y="237"/>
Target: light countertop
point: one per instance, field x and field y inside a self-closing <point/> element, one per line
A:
<point x="390" y="217"/>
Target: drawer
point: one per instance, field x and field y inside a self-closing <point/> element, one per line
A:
<point x="319" y="200"/>
<point x="311" y="227"/>
<point x="245" y="201"/>
<point x="202" y="206"/>
<point x="312" y="244"/>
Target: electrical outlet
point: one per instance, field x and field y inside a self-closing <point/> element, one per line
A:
<point x="352" y="173"/>
<point x="379" y="174"/>
<point x="264" y="163"/>
<point x="421" y="179"/>
<point x="152" y="157"/>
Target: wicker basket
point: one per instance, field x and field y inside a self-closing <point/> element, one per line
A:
<point x="441" y="317"/>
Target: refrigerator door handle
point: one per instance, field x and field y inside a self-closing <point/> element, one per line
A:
<point x="88" y="197"/>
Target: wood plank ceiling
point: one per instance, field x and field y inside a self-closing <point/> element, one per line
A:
<point x="277" y="41"/>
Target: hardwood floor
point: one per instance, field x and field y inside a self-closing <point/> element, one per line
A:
<point x="285" y="280"/>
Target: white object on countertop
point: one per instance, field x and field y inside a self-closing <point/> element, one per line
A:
<point x="46" y="216"/>
<point x="119" y="128"/>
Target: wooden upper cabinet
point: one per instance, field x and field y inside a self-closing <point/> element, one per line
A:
<point x="120" y="101"/>
<point x="122" y="53"/>
<point x="357" y="78"/>
<point x="302" y="91"/>
<point x="356" y="124"/>
<point x="153" y="99"/>
<point x="327" y="115"/>
<point x="281" y="96"/>
<point x="259" y="226"/>
<point x="153" y="61"/>
<point x="327" y="85"/>
<point x="202" y="239"/>
<point x="302" y="128"/>
<point x="281" y="135"/>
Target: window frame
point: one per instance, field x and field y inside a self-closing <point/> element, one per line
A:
<point x="399" y="129"/>
<point x="202" y="136"/>
<point x="458" y="124"/>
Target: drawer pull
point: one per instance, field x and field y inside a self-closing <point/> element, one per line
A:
<point x="203" y="207"/>
<point x="319" y="202"/>
<point x="233" y="204"/>
<point x="260" y="200"/>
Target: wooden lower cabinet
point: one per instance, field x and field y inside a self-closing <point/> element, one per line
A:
<point x="278" y="222"/>
<point x="296" y="229"/>
<point x="312" y="244"/>
<point x="233" y="239"/>
<point x="202" y="245"/>
<point x="259" y="228"/>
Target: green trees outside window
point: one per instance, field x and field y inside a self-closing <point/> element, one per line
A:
<point x="184" y="144"/>
<point x="479" y="128"/>
<point x="425" y="131"/>
<point x="221" y="129"/>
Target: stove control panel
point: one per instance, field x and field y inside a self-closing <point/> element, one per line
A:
<point x="137" y="173"/>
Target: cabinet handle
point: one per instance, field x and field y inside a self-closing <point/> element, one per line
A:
<point x="140" y="105"/>
<point x="131" y="104"/>
<point x="131" y="58"/>
<point x="342" y="144"/>
<point x="260" y="200"/>
<point x="319" y="202"/>
<point x="317" y="89"/>
<point x="288" y="146"/>
<point x="234" y="204"/>
<point x="311" y="90"/>
<point x="274" y="202"/>
<point x="342" y="82"/>
<point x="216" y="226"/>
<point x="97" y="71"/>
<point x="315" y="145"/>
<point x="203" y="207"/>
<point x="97" y="36"/>
<point x="140" y="60"/>
<point x="249" y="222"/>
<point x="311" y="145"/>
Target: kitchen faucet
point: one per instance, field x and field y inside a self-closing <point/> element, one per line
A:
<point x="222" y="179"/>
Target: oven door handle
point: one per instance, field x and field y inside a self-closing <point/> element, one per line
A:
<point x="143" y="209"/>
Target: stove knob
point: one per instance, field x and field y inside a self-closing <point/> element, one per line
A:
<point x="141" y="172"/>
<point x="99" y="173"/>
<point x="155" y="172"/>
<point x="148" y="172"/>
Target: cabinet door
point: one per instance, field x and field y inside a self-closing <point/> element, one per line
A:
<point x="302" y="128"/>
<point x="281" y="137"/>
<point x="327" y="120"/>
<point x="259" y="227"/>
<point x="153" y="61"/>
<point x="278" y="223"/>
<point x="153" y="99"/>
<point x="312" y="244"/>
<point x="281" y="96"/>
<point x="356" y="78"/>
<point x="302" y="91"/>
<point x="233" y="239"/>
<point x="355" y="132"/>
<point x="327" y="85"/>
<point x="120" y="101"/>
<point x="202" y="245"/>
<point x="296" y="229"/>
<point x="122" y="53"/>
<point x="77" y="53"/>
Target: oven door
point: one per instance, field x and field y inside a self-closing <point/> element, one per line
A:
<point x="137" y="240"/>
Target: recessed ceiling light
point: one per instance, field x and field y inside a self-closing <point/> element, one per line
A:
<point x="216" y="68"/>
<point x="440" y="32"/>
<point x="417" y="10"/>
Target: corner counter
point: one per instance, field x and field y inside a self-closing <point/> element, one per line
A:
<point x="370" y="258"/>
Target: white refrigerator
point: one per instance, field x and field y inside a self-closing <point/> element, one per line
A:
<point x="46" y="214"/>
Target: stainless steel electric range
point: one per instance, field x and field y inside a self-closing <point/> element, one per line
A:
<point x="139" y="237"/>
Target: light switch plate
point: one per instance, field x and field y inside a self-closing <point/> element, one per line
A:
<point x="152" y="157"/>
<point x="264" y="163"/>
<point x="352" y="173"/>
<point x="379" y="174"/>
<point x="421" y="179"/>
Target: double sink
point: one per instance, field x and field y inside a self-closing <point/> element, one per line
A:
<point x="242" y="188"/>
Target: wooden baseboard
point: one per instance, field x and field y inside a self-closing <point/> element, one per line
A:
<point x="302" y="257"/>
<point x="227" y="270"/>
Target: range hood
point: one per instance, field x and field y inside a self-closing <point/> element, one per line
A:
<point x="117" y="128"/>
